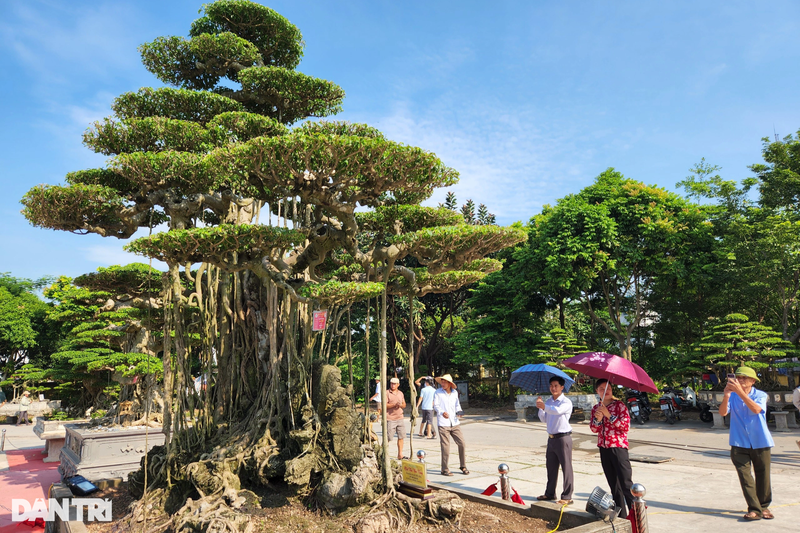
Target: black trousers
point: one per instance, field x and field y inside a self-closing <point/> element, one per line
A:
<point x="617" y="468"/>
<point x="559" y="454"/>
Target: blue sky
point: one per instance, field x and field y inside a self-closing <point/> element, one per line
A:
<point x="528" y="100"/>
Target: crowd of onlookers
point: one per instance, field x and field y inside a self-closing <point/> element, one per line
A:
<point x="750" y="440"/>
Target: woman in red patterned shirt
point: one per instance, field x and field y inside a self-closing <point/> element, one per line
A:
<point x="611" y="422"/>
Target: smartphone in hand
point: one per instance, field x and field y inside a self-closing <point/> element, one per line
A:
<point x="731" y="377"/>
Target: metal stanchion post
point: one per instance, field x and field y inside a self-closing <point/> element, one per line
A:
<point x="421" y="456"/>
<point x="3" y="441"/>
<point x="505" y="483"/>
<point x="639" y="507"/>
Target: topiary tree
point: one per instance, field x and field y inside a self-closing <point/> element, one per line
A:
<point x="113" y="319"/>
<point x="263" y="230"/>
<point x="736" y="341"/>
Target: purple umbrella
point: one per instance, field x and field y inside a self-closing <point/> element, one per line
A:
<point x="615" y="369"/>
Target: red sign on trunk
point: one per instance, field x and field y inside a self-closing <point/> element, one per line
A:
<point x="320" y="318"/>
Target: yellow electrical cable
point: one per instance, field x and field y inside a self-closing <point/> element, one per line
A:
<point x="559" y="518"/>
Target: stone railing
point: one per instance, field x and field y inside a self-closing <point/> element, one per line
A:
<point x="777" y="401"/>
<point x="527" y="411"/>
<point x="34" y="409"/>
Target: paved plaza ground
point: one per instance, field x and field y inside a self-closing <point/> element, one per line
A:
<point x="697" y="491"/>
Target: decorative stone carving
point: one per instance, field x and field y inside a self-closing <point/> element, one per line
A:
<point x="52" y="432"/>
<point x="101" y="452"/>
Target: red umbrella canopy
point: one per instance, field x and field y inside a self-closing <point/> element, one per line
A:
<point x="615" y="369"/>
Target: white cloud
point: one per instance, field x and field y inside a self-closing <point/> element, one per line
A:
<point x="504" y="160"/>
<point x="113" y="254"/>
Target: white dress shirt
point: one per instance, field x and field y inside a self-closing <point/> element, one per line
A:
<point x="556" y="413"/>
<point x="444" y="402"/>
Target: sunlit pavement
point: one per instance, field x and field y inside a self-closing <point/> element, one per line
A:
<point x="696" y="491"/>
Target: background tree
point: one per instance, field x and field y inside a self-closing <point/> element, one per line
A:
<point x="607" y="246"/>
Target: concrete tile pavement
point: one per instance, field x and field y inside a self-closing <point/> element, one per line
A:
<point x="23" y="474"/>
<point x="697" y="491"/>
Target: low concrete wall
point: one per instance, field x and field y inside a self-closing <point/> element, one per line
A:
<point x="527" y="411"/>
<point x="572" y="520"/>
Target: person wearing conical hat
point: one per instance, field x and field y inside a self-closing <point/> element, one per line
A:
<point x="448" y="409"/>
<point x="750" y="441"/>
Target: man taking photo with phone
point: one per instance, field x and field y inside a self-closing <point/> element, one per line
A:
<point x="750" y="440"/>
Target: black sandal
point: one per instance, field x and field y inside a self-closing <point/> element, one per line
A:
<point x="447" y="473"/>
<point x="464" y="470"/>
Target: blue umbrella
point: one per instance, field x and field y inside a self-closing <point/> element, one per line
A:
<point x="536" y="378"/>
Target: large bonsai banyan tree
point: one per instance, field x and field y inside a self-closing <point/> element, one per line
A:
<point x="266" y="224"/>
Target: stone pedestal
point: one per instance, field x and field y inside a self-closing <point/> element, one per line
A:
<point x="101" y="452"/>
<point x="52" y="432"/>
<point x="781" y="420"/>
<point x="719" y="420"/>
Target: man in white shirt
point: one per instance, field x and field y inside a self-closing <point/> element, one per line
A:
<point x="425" y="403"/>
<point x="555" y="412"/>
<point x="448" y="409"/>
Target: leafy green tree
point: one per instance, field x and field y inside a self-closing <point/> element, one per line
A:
<point x="779" y="175"/>
<point x="501" y="330"/>
<point x="606" y="247"/>
<point x="267" y="216"/>
<point x="25" y="335"/>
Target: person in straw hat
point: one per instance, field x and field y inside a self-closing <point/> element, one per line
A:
<point x="24" y="402"/>
<point x="395" y="403"/>
<point x="448" y="409"/>
<point x="750" y="440"/>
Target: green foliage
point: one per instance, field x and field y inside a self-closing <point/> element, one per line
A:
<point x="25" y="334"/>
<point x="134" y="278"/>
<point x="75" y="208"/>
<point x="779" y="175"/>
<point x="178" y="104"/>
<point x="736" y="341"/>
<point x="198" y="63"/>
<point x="215" y="244"/>
<point x="410" y="218"/>
<point x="338" y="293"/>
<point x="278" y="41"/>
<point x="558" y="345"/>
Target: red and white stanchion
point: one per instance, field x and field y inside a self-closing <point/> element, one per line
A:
<point x="638" y="515"/>
<point x="505" y="486"/>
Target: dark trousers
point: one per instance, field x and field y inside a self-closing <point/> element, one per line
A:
<point x="23" y="417"/>
<point x="758" y="492"/>
<point x="444" y="440"/>
<point x="559" y="453"/>
<point x="617" y="468"/>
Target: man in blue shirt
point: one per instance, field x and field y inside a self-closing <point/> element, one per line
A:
<point x="425" y="404"/>
<point x="750" y="440"/>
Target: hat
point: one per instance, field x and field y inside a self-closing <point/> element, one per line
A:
<point x="747" y="372"/>
<point x="446" y="377"/>
<point x="394" y="380"/>
<point x="26" y="393"/>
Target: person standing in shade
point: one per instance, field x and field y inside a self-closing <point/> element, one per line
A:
<point x="377" y="396"/>
<point x="425" y="404"/>
<point x="24" y="402"/>
<point x="750" y="441"/>
<point x="448" y="409"/>
<point x="2" y="398"/>
<point x="395" y="403"/>
<point x="555" y="412"/>
<point x="611" y="421"/>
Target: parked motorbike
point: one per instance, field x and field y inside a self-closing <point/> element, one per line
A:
<point x="638" y="405"/>
<point x="670" y="403"/>
<point x="690" y="397"/>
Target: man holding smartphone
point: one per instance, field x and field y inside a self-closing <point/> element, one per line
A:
<point x="750" y="440"/>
